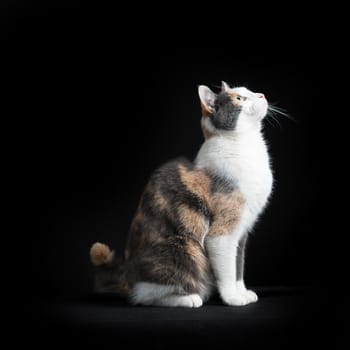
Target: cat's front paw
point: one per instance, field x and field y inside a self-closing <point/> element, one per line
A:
<point x="250" y="295"/>
<point x="234" y="298"/>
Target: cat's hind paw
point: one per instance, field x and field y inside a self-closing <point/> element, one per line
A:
<point x="192" y="300"/>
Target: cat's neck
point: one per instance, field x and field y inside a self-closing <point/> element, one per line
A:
<point x="248" y="146"/>
<point x="243" y="159"/>
<point x="249" y="130"/>
<point x="252" y="134"/>
<point x="236" y="136"/>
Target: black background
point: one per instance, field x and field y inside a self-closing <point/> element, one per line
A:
<point x="98" y="103"/>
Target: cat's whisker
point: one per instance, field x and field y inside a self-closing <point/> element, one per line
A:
<point x="279" y="111"/>
<point x="269" y="121"/>
<point x="272" y="117"/>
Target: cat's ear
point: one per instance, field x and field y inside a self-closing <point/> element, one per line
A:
<point x="207" y="98"/>
<point x="224" y="87"/>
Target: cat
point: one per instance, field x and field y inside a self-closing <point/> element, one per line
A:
<point x="189" y="234"/>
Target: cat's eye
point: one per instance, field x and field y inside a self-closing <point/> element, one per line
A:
<point x="240" y="98"/>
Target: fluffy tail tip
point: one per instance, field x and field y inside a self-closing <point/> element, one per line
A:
<point x="100" y="254"/>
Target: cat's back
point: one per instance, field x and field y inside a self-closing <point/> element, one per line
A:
<point x="169" y="173"/>
<point x="178" y="182"/>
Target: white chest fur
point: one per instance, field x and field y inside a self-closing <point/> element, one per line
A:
<point x="244" y="159"/>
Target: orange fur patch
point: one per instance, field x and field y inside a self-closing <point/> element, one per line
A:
<point x="227" y="210"/>
<point x="206" y="111"/>
<point x="160" y="200"/>
<point x="100" y="254"/>
<point x="196" y="181"/>
<point x="233" y="96"/>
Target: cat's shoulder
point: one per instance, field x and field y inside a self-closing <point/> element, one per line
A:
<point x="180" y="174"/>
<point x="173" y="166"/>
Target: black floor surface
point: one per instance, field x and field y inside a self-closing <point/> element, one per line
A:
<point x="283" y="318"/>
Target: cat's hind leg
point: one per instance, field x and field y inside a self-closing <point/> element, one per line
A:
<point x="146" y="293"/>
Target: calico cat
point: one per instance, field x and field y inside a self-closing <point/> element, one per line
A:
<point x="189" y="234"/>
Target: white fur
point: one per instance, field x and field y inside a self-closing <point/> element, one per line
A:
<point x="240" y="155"/>
<point x="160" y="295"/>
<point x="243" y="158"/>
<point x="222" y="252"/>
<point x="249" y="295"/>
<point x="206" y="123"/>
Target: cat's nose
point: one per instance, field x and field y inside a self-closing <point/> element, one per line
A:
<point x="261" y="95"/>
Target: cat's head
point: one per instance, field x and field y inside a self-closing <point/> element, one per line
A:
<point x="233" y="110"/>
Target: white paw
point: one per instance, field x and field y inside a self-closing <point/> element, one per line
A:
<point x="235" y="299"/>
<point x="250" y="296"/>
<point x="192" y="300"/>
<point x="238" y="296"/>
<point x="196" y="300"/>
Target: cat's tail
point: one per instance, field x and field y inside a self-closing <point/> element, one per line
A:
<point x="109" y="272"/>
<point x="101" y="255"/>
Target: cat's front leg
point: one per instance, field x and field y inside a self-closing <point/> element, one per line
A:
<point x="248" y="294"/>
<point x="222" y="251"/>
<point x="240" y="261"/>
<point x="224" y="242"/>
